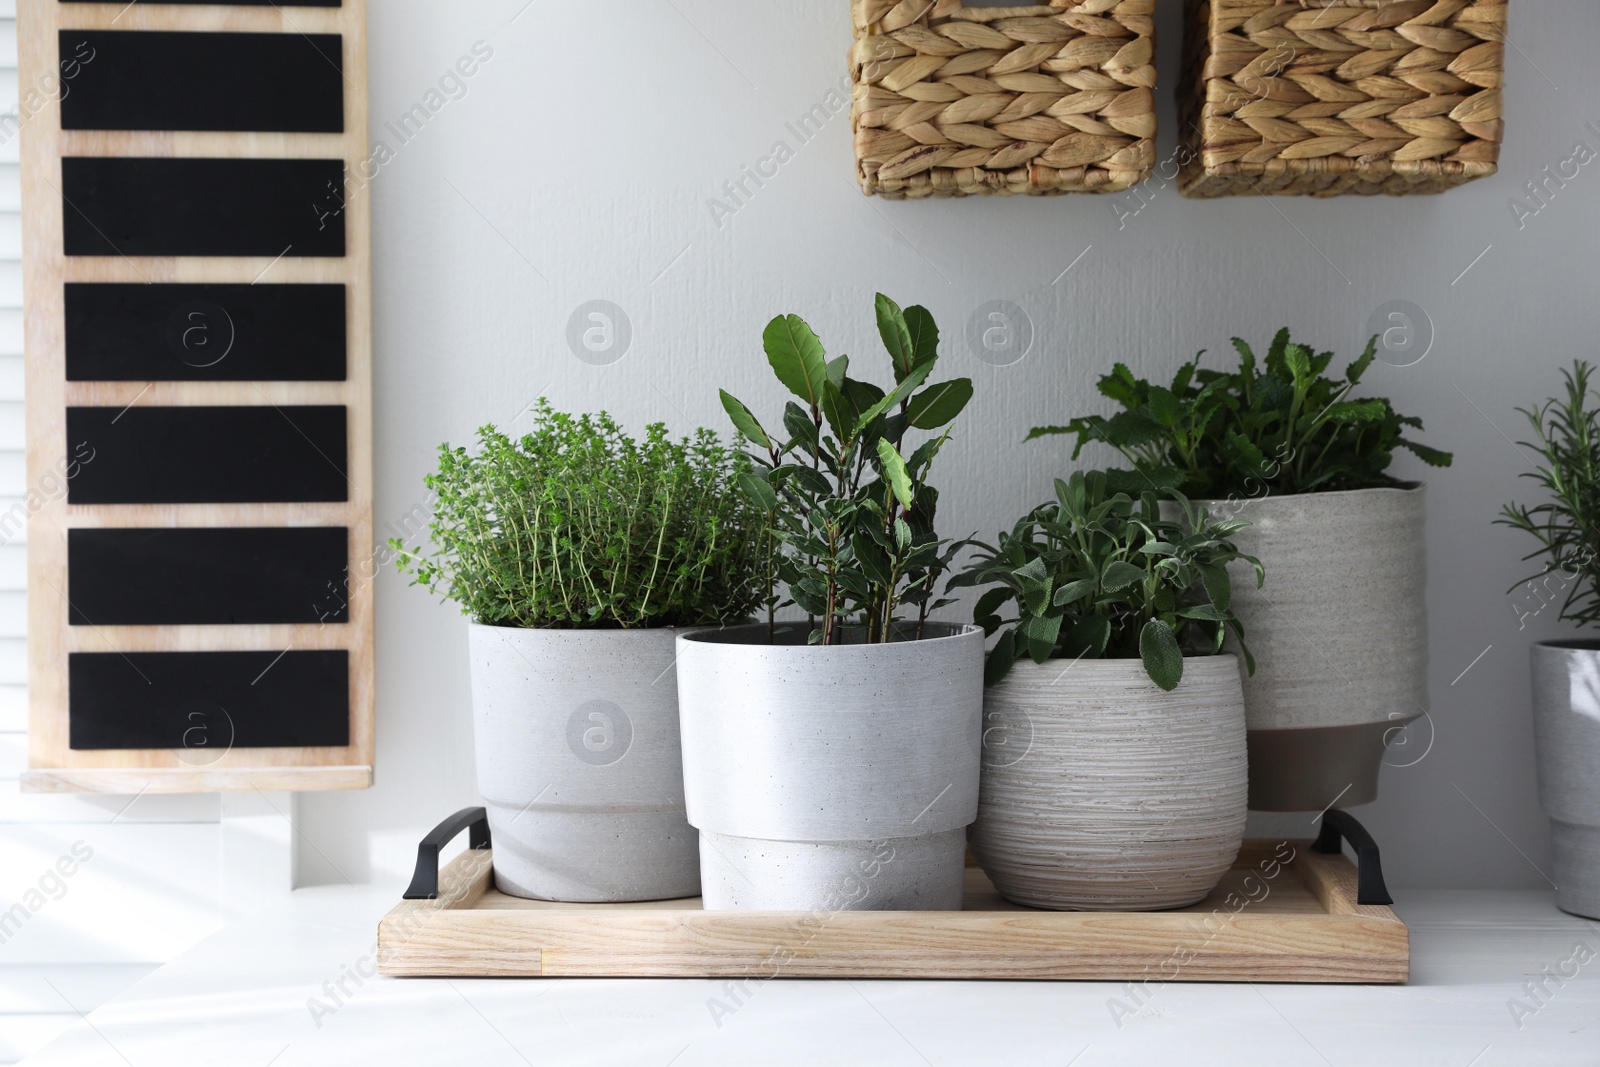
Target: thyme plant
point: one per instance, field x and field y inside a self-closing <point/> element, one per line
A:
<point x="578" y="525"/>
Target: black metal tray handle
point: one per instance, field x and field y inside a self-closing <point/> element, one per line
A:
<point x="1369" y="870"/>
<point x="425" y="880"/>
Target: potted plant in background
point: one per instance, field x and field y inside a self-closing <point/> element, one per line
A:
<point x="1341" y="634"/>
<point x="832" y="761"/>
<point x="579" y="554"/>
<point x="1114" y="745"/>
<point x="1566" y="674"/>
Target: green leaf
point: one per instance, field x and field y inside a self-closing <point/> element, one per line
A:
<point x="837" y="369"/>
<point x="759" y="491"/>
<point x="1204" y="613"/>
<point x="924" y="336"/>
<point x="840" y="415"/>
<point x="1088" y="638"/>
<point x="896" y="336"/>
<point x="1218" y="586"/>
<point x="902" y="392"/>
<point x="1002" y="659"/>
<point x="1353" y="373"/>
<point x="1163" y="659"/>
<point x="1040" y="632"/>
<point x="1431" y="456"/>
<point x="894" y="471"/>
<point x="797" y="357"/>
<point x="1120" y="575"/>
<point x="991" y="602"/>
<point x="871" y="559"/>
<point x="1165" y="407"/>
<point x="1073" y="591"/>
<point x="939" y="404"/>
<point x="745" y="422"/>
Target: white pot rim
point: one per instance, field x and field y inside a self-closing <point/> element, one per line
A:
<point x="585" y="631"/>
<point x="1403" y="489"/>
<point x="739" y="637"/>
<point x="1118" y="668"/>
<point x="1570" y="644"/>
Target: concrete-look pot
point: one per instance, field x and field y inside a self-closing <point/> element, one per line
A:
<point x="578" y="759"/>
<point x="1340" y="637"/>
<point x="831" y="778"/>
<point x="1101" y="792"/>
<point x="1566" y="735"/>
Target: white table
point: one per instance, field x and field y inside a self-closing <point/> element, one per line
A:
<point x="247" y="997"/>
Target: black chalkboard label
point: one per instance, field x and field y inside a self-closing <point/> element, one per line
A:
<point x="234" y="333"/>
<point x="116" y="206"/>
<point x="149" y="80"/>
<point x="204" y="703"/>
<point x="207" y="577"/>
<point x="207" y="455"/>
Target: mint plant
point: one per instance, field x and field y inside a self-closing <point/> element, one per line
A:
<point x="1098" y="573"/>
<point x="1273" y="426"/>
<point x="851" y="512"/>
<point x="1567" y="525"/>
<point x="578" y="525"/>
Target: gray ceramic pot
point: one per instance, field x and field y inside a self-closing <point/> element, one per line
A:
<point x="1340" y="636"/>
<point x="1566" y="734"/>
<point x="1102" y="792"/>
<point x="578" y="762"/>
<point x="831" y="778"/>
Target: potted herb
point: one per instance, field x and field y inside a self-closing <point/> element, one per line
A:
<point x="832" y="761"/>
<point x="1341" y="632"/>
<point x="1114" y="744"/>
<point x="1566" y="674"/>
<point x="579" y="554"/>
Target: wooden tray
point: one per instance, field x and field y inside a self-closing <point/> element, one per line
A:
<point x="1285" y="913"/>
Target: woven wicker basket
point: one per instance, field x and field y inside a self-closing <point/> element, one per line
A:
<point x="951" y="100"/>
<point x="1323" y="97"/>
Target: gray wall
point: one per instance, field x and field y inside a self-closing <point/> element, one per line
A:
<point x="580" y="165"/>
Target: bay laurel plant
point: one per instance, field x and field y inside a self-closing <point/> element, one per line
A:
<point x="1273" y="426"/>
<point x="1100" y="573"/>
<point x="578" y="525"/>
<point x="1567" y="524"/>
<point x="850" y="507"/>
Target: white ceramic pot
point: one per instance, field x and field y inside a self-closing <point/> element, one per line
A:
<point x="1566" y="733"/>
<point x="831" y="778"/>
<point x="576" y="734"/>
<point x="1340" y="637"/>
<point x="1101" y="792"/>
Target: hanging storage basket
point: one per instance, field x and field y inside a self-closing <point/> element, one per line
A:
<point x="952" y="100"/>
<point x="1324" y="97"/>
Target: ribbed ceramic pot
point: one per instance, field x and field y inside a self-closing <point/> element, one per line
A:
<point x="576" y="733"/>
<point x="831" y="778"/>
<point x="1566" y="734"/>
<point x="1340" y="637"/>
<point x="1101" y="792"/>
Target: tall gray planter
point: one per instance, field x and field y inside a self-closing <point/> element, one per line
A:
<point x="1102" y="792"/>
<point x="576" y="733"/>
<point x="831" y="778"/>
<point x="1566" y="734"/>
<point x="1340" y="637"/>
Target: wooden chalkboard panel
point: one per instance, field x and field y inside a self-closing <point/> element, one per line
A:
<point x="131" y="80"/>
<point x="207" y="576"/>
<point x="206" y="455"/>
<point x="203" y="703"/>
<point x="199" y="370"/>
<point x="140" y="332"/>
<point x="202" y="207"/>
